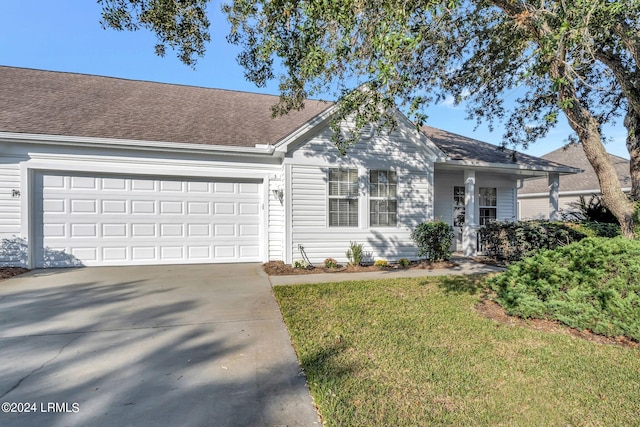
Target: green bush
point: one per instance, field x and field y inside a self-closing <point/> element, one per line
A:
<point x="300" y="264"/>
<point x="404" y="262"/>
<point x="513" y="241"/>
<point x="597" y="229"/>
<point x="330" y="263"/>
<point x="592" y="284"/>
<point x="381" y="264"/>
<point x="433" y="240"/>
<point x="355" y="253"/>
<point x="593" y="210"/>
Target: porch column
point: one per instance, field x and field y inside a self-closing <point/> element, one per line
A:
<point x="469" y="234"/>
<point x="554" y="185"/>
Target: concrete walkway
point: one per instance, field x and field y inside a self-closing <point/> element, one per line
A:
<point x="191" y="345"/>
<point x="465" y="266"/>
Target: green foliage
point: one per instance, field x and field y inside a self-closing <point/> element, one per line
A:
<point x="596" y="229"/>
<point x="355" y="253"/>
<point x="381" y="264"/>
<point x="513" y="241"/>
<point x="300" y="264"/>
<point x="330" y="263"/>
<point x="592" y="284"/>
<point x="180" y="24"/>
<point x="589" y="211"/>
<point x="404" y="262"/>
<point x="433" y="240"/>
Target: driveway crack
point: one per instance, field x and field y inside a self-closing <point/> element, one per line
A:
<point x="21" y="380"/>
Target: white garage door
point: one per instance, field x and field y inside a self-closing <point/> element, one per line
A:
<point x="118" y="220"/>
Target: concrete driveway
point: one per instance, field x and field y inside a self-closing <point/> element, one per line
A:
<point x="196" y="345"/>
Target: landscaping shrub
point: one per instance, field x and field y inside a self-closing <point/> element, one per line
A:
<point x="592" y="284"/>
<point x="355" y="253"/>
<point x="301" y="264"/>
<point x="404" y="262"/>
<point x="330" y="263"/>
<point x="513" y="241"/>
<point x="596" y="229"/>
<point x="590" y="211"/>
<point x="381" y="264"/>
<point x="433" y="240"/>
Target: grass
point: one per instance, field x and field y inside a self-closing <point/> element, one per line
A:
<point x="414" y="352"/>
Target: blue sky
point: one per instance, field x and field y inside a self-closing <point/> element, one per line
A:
<point x="66" y="35"/>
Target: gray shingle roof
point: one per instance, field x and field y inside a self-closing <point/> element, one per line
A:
<point x="55" y="103"/>
<point x="458" y="147"/>
<point x="573" y="155"/>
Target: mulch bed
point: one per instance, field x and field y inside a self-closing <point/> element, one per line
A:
<point x="494" y="311"/>
<point x="279" y="268"/>
<point x="7" y="272"/>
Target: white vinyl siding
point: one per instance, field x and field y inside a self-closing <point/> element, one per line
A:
<point x="310" y="163"/>
<point x="275" y="218"/>
<point x="13" y="250"/>
<point x="507" y="204"/>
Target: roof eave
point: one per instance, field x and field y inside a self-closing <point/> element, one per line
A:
<point x="511" y="166"/>
<point x="165" y="146"/>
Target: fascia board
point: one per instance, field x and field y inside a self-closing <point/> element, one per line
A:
<point x="134" y="144"/>
<point x="479" y="164"/>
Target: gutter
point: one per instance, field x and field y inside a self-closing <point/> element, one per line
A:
<point x="94" y="142"/>
<point x="476" y="164"/>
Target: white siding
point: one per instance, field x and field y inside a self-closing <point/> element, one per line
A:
<point x="13" y="251"/>
<point x="275" y="219"/>
<point x="538" y="207"/>
<point x="506" y="204"/>
<point x="309" y="174"/>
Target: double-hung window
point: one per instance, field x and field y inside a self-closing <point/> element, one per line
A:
<point x="343" y="197"/>
<point x="383" y="204"/>
<point x="488" y="205"/>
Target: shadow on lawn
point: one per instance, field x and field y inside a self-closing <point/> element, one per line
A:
<point x="471" y="284"/>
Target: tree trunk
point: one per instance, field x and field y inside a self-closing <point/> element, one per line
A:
<point x="585" y="125"/>
<point x="632" y="123"/>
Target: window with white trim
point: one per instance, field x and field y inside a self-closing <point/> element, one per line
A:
<point x="343" y="197"/>
<point x="383" y="204"/>
<point x="488" y="205"/>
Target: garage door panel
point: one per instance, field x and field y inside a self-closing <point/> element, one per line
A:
<point x="112" y="220"/>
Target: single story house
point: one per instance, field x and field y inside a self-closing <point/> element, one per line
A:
<point x="103" y="171"/>
<point x="533" y="194"/>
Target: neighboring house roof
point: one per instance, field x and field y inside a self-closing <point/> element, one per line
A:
<point x="587" y="181"/>
<point x="56" y="103"/>
<point x="468" y="150"/>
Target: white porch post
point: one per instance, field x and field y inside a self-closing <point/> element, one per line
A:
<point x="554" y="185"/>
<point x="469" y="238"/>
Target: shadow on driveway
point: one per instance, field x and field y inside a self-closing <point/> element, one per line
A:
<point x="176" y="345"/>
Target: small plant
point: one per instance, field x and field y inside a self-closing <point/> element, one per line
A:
<point x="404" y="262"/>
<point x="433" y="240"/>
<point x="381" y="264"/>
<point x="330" y="263"/>
<point x="355" y="253"/>
<point x="300" y="264"/>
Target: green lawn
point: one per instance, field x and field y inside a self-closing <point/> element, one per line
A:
<point x="414" y="352"/>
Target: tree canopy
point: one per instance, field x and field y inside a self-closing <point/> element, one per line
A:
<point x="578" y="58"/>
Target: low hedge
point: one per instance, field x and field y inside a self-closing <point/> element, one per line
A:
<point x="513" y="241"/>
<point x="592" y="285"/>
